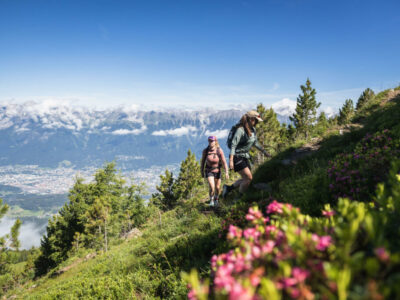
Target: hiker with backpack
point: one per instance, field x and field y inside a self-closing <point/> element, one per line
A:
<point x="240" y="140"/>
<point x="212" y="160"/>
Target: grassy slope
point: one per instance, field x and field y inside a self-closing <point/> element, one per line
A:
<point x="145" y="267"/>
<point x="305" y="184"/>
<point x="149" y="267"/>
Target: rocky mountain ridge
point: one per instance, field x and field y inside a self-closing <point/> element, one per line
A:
<point x="48" y="135"/>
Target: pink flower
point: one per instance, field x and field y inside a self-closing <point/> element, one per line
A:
<point x="268" y="247"/>
<point x="328" y="213"/>
<point x="382" y="254"/>
<point x="214" y="261"/>
<point x="192" y="295"/>
<point x="322" y="242"/>
<point x="270" y="229"/>
<point x="240" y="264"/>
<point x="288" y="282"/>
<point x="239" y="292"/>
<point x="294" y="293"/>
<point x="300" y="274"/>
<point x="274" y="207"/>
<point x="251" y="233"/>
<point x="256" y="251"/>
<point x="253" y="214"/>
<point x="234" y="232"/>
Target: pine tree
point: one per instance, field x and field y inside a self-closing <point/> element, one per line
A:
<point x="8" y="241"/>
<point x="96" y="229"/>
<point x="75" y="216"/>
<point x="14" y="242"/>
<point x="322" y="124"/>
<point x="189" y="177"/>
<point x="268" y="133"/>
<point x="165" y="198"/>
<point x="346" y="112"/>
<point x="133" y="211"/>
<point x="365" y="97"/>
<point x="306" y="110"/>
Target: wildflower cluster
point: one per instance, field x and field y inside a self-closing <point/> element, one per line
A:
<point x="355" y="175"/>
<point x="233" y="217"/>
<point x="285" y="254"/>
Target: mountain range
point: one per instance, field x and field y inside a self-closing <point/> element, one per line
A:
<point x="62" y="135"/>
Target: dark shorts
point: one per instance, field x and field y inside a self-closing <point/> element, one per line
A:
<point x="239" y="163"/>
<point x="216" y="175"/>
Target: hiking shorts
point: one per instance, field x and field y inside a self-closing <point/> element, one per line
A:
<point x="239" y="163"/>
<point x="210" y="173"/>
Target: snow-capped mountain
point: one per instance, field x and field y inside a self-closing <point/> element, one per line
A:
<point x="48" y="135"/>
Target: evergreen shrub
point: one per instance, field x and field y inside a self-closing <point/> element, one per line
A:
<point x="282" y="253"/>
<point x="356" y="174"/>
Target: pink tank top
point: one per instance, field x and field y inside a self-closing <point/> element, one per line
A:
<point x="212" y="159"/>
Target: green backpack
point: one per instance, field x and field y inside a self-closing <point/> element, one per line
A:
<point x="231" y="135"/>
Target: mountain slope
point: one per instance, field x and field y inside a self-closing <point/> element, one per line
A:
<point x="51" y="135"/>
<point x="150" y="266"/>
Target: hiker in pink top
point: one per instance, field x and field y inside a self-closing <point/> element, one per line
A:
<point x="211" y="161"/>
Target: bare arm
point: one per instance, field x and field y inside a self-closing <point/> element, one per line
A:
<point x="224" y="163"/>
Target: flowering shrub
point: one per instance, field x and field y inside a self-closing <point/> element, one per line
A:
<point x="355" y="175"/>
<point x="285" y="254"/>
<point x="233" y="217"/>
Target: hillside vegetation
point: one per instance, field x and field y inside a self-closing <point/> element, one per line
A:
<point x="320" y="223"/>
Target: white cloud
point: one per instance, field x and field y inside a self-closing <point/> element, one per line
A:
<point x="285" y="107"/>
<point x="30" y="233"/>
<point x="127" y="131"/>
<point x="185" y="130"/>
<point x="220" y="134"/>
<point x="22" y="129"/>
<point x="329" y="111"/>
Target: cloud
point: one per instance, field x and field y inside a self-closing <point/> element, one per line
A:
<point x="329" y="111"/>
<point x="285" y="107"/>
<point x="30" y="233"/>
<point x="127" y="131"/>
<point x="220" y="134"/>
<point x="185" y="130"/>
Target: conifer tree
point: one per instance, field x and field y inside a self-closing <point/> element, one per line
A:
<point x="75" y="216"/>
<point x="322" y="123"/>
<point x="14" y="242"/>
<point x="346" y="112"/>
<point x="96" y="229"/>
<point x="8" y="241"/>
<point x="189" y="177"/>
<point x="306" y="110"/>
<point x="133" y="210"/>
<point x="268" y="133"/>
<point x="165" y="198"/>
<point x="366" y="96"/>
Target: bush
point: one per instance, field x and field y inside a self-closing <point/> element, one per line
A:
<point x="283" y="253"/>
<point x="355" y="175"/>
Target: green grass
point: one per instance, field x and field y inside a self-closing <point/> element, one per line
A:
<point x="305" y="184"/>
<point x="146" y="267"/>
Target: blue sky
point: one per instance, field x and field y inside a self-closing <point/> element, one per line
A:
<point x="223" y="53"/>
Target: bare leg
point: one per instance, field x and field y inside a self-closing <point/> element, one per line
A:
<point x="247" y="177"/>
<point x="217" y="187"/>
<point x="211" y="185"/>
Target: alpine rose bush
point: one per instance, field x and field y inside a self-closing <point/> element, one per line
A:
<point x="355" y="175"/>
<point x="283" y="254"/>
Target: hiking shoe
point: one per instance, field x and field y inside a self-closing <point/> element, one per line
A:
<point x="211" y="203"/>
<point x="226" y="189"/>
<point x="216" y="202"/>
